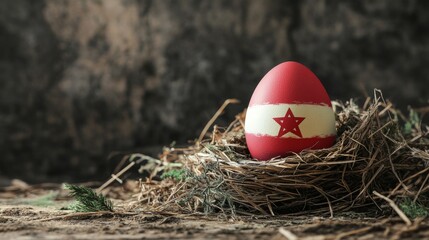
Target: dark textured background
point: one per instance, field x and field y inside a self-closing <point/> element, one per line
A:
<point x="80" y="80"/>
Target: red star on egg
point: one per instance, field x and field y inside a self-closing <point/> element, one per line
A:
<point x="289" y="123"/>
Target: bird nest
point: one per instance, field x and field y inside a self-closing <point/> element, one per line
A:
<point x="379" y="153"/>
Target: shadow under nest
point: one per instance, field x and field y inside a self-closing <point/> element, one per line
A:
<point x="377" y="149"/>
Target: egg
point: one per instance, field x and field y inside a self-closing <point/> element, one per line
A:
<point x="289" y="111"/>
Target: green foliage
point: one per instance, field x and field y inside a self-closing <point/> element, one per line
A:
<point x="176" y="174"/>
<point x="87" y="200"/>
<point x="413" y="121"/>
<point x="42" y="201"/>
<point x="413" y="209"/>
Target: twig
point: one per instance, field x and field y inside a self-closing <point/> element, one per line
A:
<point x="287" y="234"/>
<point x="420" y="189"/>
<point x="215" y="116"/>
<point x="85" y="215"/>
<point x="407" y="229"/>
<point x="395" y="207"/>
<point x="134" y="159"/>
<point x="360" y="230"/>
<point x="244" y="196"/>
<point x="112" y="179"/>
<point x="352" y="232"/>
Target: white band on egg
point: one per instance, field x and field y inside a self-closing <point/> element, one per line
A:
<point x="319" y="120"/>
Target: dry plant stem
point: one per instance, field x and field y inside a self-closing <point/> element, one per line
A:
<point x="421" y="188"/>
<point x="287" y="234"/>
<point x="84" y="215"/>
<point x="353" y="232"/>
<point x="121" y="164"/>
<point x="134" y="159"/>
<point x="115" y="177"/>
<point x="395" y="207"/>
<point x="248" y="199"/>
<point x="408" y="179"/>
<point x="360" y="230"/>
<point x="407" y="229"/>
<point x="215" y="116"/>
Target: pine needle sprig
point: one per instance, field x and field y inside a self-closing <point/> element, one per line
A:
<point x="87" y="200"/>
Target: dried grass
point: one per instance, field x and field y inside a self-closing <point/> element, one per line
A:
<point x="377" y="149"/>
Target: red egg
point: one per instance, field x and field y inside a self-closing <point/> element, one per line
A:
<point x="289" y="111"/>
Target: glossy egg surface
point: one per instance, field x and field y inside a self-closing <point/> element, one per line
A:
<point x="289" y="111"/>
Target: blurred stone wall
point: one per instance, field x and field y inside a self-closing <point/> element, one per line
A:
<point x="80" y="80"/>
